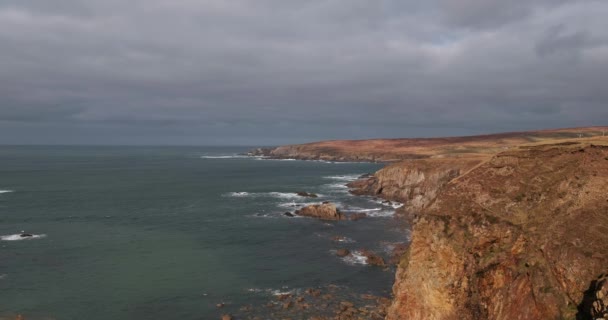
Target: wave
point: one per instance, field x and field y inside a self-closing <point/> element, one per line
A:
<point x="2" y="276"/>
<point x="357" y="209"/>
<point x="381" y="214"/>
<point x="293" y="204"/>
<point x="345" y="177"/>
<point x="393" y="204"/>
<point x="275" y="292"/>
<point x="355" y="257"/>
<point x="5" y="191"/>
<point x="339" y="186"/>
<point x="17" y="237"/>
<point x="279" y="195"/>
<point x="239" y="194"/>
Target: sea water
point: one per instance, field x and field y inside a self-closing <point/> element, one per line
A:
<point x="169" y="232"/>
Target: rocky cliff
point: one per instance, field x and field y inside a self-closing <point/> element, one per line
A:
<point x="415" y="183"/>
<point x="523" y="235"/>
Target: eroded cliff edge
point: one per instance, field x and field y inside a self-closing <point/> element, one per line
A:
<point x="523" y="235"/>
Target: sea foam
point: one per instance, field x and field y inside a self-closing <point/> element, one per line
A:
<point x="17" y="237"/>
<point x="345" y="177"/>
<point x="355" y="257"/>
<point x="5" y="191"/>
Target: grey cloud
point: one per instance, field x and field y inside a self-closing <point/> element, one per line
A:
<point x="212" y="71"/>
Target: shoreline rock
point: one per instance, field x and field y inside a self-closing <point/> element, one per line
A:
<point x="324" y="211"/>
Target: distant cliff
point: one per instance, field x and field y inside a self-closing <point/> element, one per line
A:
<point x="521" y="236"/>
<point x="391" y="150"/>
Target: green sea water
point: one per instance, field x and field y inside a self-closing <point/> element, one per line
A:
<point x="169" y="232"/>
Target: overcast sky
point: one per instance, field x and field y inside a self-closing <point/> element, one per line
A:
<point x="265" y="72"/>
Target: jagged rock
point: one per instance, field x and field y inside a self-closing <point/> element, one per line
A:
<point x="226" y="317"/>
<point x="342" y="252"/>
<point x="306" y="194"/>
<point x="373" y="259"/>
<point x="289" y="214"/>
<point x="325" y="211"/>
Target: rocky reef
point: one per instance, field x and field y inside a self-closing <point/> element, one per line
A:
<point x="523" y="235"/>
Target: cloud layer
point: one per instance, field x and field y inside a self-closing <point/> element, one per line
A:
<point x="281" y="71"/>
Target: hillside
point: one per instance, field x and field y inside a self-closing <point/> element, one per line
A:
<point x="389" y="150"/>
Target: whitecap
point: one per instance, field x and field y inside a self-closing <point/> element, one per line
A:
<point x="336" y="186"/>
<point x="239" y="194"/>
<point x="357" y="209"/>
<point x="387" y="203"/>
<point x="345" y="177"/>
<point x="355" y="257"/>
<point x="5" y="191"/>
<point x="292" y="204"/>
<point x="381" y="214"/>
<point x="17" y="237"/>
<point x="284" y="195"/>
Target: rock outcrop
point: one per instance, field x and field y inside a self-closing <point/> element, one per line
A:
<point x="414" y="183"/>
<point x="521" y="236"/>
<point x="324" y="211"/>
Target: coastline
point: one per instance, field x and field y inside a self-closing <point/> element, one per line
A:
<point x="426" y="185"/>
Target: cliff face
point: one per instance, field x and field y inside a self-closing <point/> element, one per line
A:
<point x="521" y="236"/>
<point x="415" y="182"/>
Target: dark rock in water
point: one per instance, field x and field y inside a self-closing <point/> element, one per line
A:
<point x="342" y="252"/>
<point x="326" y="211"/>
<point x="306" y="194"/>
<point x="26" y="235"/>
<point x="338" y="238"/>
<point x="373" y="259"/>
<point x="289" y="214"/>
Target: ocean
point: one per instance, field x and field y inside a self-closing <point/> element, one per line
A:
<point x="170" y="232"/>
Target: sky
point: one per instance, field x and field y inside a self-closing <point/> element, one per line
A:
<point x="269" y="72"/>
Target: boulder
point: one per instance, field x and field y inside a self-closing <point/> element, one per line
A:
<point x="373" y="259"/>
<point x="289" y="214"/>
<point x="306" y="194"/>
<point x="325" y="211"/>
<point x="342" y="252"/>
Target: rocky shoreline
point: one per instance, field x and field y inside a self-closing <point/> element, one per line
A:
<point x="516" y="235"/>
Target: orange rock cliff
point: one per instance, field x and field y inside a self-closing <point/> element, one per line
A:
<point x="521" y="233"/>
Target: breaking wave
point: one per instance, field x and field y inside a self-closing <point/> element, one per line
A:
<point x="345" y="177"/>
<point x="5" y="191"/>
<point x="355" y="257"/>
<point x="17" y="237"/>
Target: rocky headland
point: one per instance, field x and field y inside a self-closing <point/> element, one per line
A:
<point x="392" y="150"/>
<point x="517" y="232"/>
